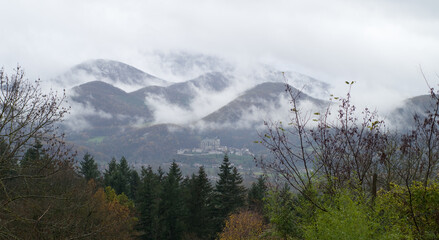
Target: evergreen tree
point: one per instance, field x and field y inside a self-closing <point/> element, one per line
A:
<point x="229" y="194"/>
<point x="110" y="174"/>
<point x="256" y="194"/>
<point x="89" y="168"/>
<point x="238" y="191"/>
<point x="118" y="176"/>
<point x="148" y="202"/>
<point x="172" y="208"/>
<point x="123" y="177"/>
<point x="199" y="205"/>
<point x="160" y="174"/>
<point x="134" y="184"/>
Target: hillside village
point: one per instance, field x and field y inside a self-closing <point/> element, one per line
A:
<point x="212" y="146"/>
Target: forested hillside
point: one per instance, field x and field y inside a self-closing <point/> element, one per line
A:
<point x="335" y="174"/>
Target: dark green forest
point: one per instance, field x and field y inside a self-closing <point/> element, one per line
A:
<point x="334" y="174"/>
<point x="167" y="205"/>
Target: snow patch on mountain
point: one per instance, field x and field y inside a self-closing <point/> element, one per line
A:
<point x="118" y="74"/>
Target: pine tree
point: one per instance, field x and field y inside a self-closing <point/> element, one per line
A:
<point x="256" y="194"/>
<point x="134" y="183"/>
<point x="172" y="208"/>
<point x="229" y="194"/>
<point x="89" y="168"/>
<point x="123" y="177"/>
<point x="118" y="176"/>
<point x="110" y="174"/>
<point x="238" y="191"/>
<point x="160" y="174"/>
<point x="199" y="205"/>
<point x="148" y="202"/>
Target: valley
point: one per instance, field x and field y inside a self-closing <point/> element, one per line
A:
<point x="119" y="110"/>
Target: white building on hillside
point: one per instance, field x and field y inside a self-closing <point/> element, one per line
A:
<point x="209" y="144"/>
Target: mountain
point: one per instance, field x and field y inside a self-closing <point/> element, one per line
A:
<point x="183" y="93"/>
<point x="112" y="72"/>
<point x="117" y="110"/>
<point x="183" y="65"/>
<point x="150" y="144"/>
<point x="260" y="102"/>
<point x="402" y="117"/>
<point x="114" y="104"/>
<point x="309" y="85"/>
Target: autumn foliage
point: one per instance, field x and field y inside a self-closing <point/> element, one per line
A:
<point x="243" y="225"/>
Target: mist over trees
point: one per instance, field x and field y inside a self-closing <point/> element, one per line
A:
<point x="44" y="196"/>
<point x="332" y="175"/>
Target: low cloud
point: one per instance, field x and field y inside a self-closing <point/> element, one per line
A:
<point x="203" y="103"/>
<point x="263" y="111"/>
<point x="77" y="119"/>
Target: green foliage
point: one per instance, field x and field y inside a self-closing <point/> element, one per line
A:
<point x="89" y="168"/>
<point x="229" y="193"/>
<point x="134" y="182"/>
<point x="412" y="211"/>
<point x="199" y="204"/>
<point x="256" y="194"/>
<point x="122" y="199"/>
<point x="121" y="178"/>
<point x="111" y="173"/>
<point x="347" y="217"/>
<point x="172" y="208"/>
<point x="283" y="210"/>
<point x="148" y="204"/>
<point x="338" y="166"/>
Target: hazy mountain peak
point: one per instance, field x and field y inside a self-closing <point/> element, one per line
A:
<point x="183" y="65"/>
<point x="309" y="85"/>
<point x="112" y="69"/>
<point x="212" y="81"/>
<point x="112" y="72"/>
<point x="264" y="101"/>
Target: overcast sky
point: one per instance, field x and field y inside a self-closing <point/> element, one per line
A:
<point x="379" y="44"/>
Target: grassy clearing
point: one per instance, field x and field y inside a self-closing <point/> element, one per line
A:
<point x="96" y="140"/>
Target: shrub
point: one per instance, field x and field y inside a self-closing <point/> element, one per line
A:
<point x="243" y="225"/>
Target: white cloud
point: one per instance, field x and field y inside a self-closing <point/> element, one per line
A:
<point x="379" y="44"/>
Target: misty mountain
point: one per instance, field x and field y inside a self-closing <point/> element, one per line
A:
<point x="403" y="116"/>
<point x="118" y="104"/>
<point x="309" y="85"/>
<point x="115" y="104"/>
<point x="150" y="144"/>
<point x="184" y="65"/>
<point x="182" y="93"/>
<point x="112" y="72"/>
<point x="260" y="101"/>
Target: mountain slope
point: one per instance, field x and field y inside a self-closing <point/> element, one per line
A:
<point x="264" y="100"/>
<point x="105" y="98"/>
<point x="403" y="117"/>
<point x="183" y="93"/>
<point x="309" y="85"/>
<point x="129" y="121"/>
<point x="112" y="72"/>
